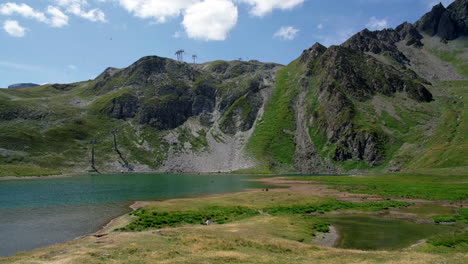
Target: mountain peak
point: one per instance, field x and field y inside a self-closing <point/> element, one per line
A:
<point x="441" y="22"/>
<point x="313" y="52"/>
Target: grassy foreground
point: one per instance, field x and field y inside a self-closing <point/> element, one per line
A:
<point x="278" y="226"/>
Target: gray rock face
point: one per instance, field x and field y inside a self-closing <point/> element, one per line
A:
<point x="166" y="93"/>
<point x="343" y="76"/>
<point x="312" y="53"/>
<point x="409" y="33"/>
<point x="22" y="85"/>
<point x="377" y="42"/>
<point x="447" y="23"/>
<point x="429" y="23"/>
<point x="459" y="13"/>
<point x="125" y="106"/>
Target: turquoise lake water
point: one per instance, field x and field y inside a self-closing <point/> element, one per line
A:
<point x="36" y="213"/>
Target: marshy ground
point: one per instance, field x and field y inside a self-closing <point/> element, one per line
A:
<point x="286" y="225"/>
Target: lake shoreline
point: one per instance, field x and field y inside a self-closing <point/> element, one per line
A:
<point x="67" y="175"/>
<point x="86" y="204"/>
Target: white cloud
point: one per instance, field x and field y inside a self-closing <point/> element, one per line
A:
<point x="376" y="24"/>
<point x="159" y="10"/>
<point x="13" y="28"/>
<point x="58" y="18"/>
<point x="263" y="7"/>
<point x="76" y="7"/>
<point x="286" y="33"/>
<point x="202" y="19"/>
<point x="22" y="10"/>
<point x="320" y="26"/>
<point x="72" y="67"/>
<point x="210" y="19"/>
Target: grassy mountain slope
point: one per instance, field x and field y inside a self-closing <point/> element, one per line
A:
<point x="389" y="99"/>
<point x="148" y="103"/>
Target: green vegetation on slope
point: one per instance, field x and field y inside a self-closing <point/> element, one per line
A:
<point x="272" y="142"/>
<point x="448" y="144"/>
<point x="453" y="57"/>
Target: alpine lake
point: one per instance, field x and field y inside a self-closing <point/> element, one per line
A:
<point x="40" y="212"/>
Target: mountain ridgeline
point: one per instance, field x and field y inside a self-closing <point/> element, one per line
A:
<point x="389" y="99"/>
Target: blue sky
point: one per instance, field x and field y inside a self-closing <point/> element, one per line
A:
<point x="48" y="41"/>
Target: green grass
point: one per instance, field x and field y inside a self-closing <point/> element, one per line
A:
<point x="451" y="240"/>
<point x="25" y="170"/>
<point x="446" y="244"/>
<point x="438" y="186"/>
<point x="271" y="143"/>
<point x="236" y="208"/>
<point x="462" y="215"/>
<point x="217" y="214"/>
<point x="448" y="146"/>
<point x="333" y="205"/>
<point x="454" y="58"/>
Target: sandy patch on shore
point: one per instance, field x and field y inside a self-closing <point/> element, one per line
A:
<point x="315" y="189"/>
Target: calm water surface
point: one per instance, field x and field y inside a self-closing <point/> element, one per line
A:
<point x="377" y="233"/>
<point x="41" y="212"/>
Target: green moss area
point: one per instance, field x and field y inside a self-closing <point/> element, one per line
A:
<point x="25" y="170"/>
<point x="455" y="58"/>
<point x="271" y="143"/>
<point x="432" y="185"/>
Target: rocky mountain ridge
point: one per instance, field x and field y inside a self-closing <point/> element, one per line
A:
<point x="372" y="102"/>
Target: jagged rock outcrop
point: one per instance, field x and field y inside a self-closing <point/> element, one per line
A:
<point x="343" y="76"/>
<point x="124" y="106"/>
<point x="447" y="23"/>
<point x="309" y="55"/>
<point x="410" y="34"/>
<point x="459" y="13"/>
<point x="378" y="42"/>
<point x="402" y="46"/>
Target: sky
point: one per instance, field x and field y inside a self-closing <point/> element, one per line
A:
<point x="64" y="41"/>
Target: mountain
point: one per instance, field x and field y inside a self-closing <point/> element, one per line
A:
<point x="389" y="99"/>
<point x="22" y="85"/>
